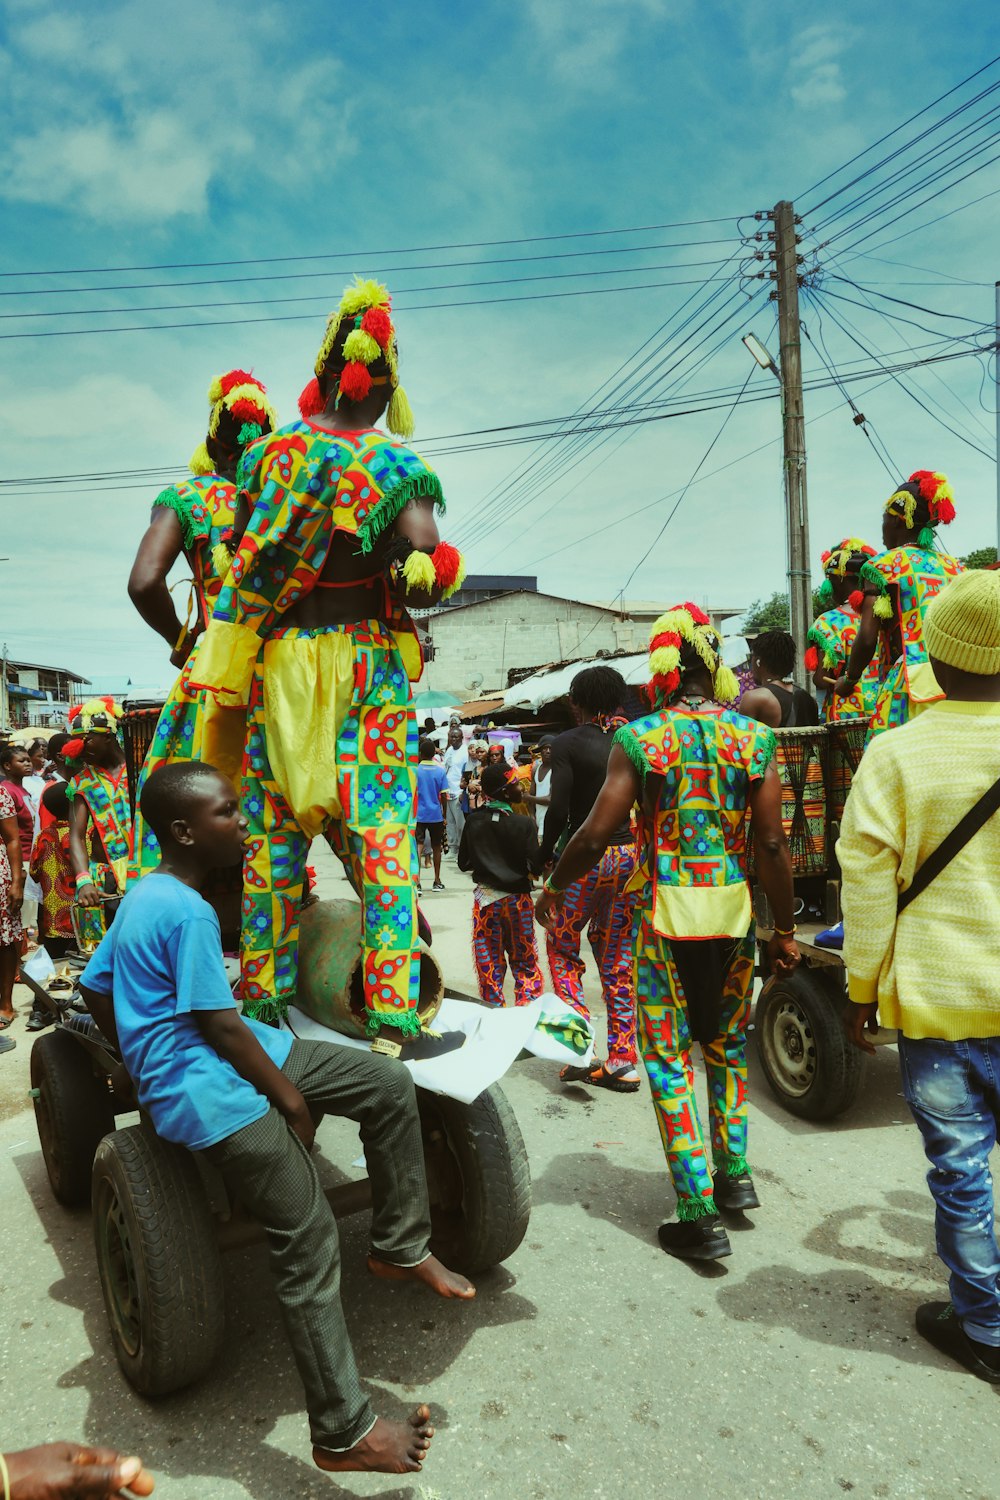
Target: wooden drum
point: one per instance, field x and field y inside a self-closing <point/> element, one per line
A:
<point x="138" y="725"/>
<point x="846" y="745"/>
<point x="801" y="762"/>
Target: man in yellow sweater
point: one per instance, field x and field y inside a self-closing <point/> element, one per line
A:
<point x="932" y="969"/>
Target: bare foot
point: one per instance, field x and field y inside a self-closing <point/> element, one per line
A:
<point x="430" y="1271"/>
<point x="390" y="1447"/>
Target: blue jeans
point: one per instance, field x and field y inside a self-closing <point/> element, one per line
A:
<point x="953" y="1090"/>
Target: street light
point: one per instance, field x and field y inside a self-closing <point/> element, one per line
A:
<point x="760" y="354"/>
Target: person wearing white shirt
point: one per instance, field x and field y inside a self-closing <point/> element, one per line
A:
<point x="456" y="765"/>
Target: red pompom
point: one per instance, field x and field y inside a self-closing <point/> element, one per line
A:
<point x="665" y="684"/>
<point x="73" y="749"/>
<point x="811" y="659"/>
<point x="447" y="560"/>
<point x="355" y="381"/>
<point x="311" y="401"/>
<point x="697" y="615"/>
<point x="378" y="324"/>
<point x="245" y="410"/>
<point x="235" y="378"/>
<point x="926" y="481"/>
<point x="75" y="712"/>
<point x="856" y="599"/>
<point x="665" y="638"/>
<point x="944" y="513"/>
<point x="825" y="557"/>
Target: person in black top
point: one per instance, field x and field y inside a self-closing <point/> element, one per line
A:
<point x="601" y="901"/>
<point x="501" y="851"/>
<point x="775" y="701"/>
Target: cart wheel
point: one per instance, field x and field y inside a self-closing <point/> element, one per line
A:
<point x="477" y="1176"/>
<point x="74" y="1110"/>
<point x="158" y="1260"/>
<point x="809" y="1063"/>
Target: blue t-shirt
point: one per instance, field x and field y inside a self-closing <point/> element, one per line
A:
<point x="432" y="780"/>
<point x="162" y="961"/>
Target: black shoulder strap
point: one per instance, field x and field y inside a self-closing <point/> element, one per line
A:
<point x="786" y="702"/>
<point x="956" y="841"/>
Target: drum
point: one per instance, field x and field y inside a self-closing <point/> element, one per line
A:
<point x="330" y="988"/>
<point x="801" y="761"/>
<point x="846" y="743"/>
<point x="138" y="725"/>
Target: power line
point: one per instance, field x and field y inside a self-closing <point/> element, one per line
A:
<point x="878" y="447"/>
<point x="531" y="239"/>
<point x="915" y="229"/>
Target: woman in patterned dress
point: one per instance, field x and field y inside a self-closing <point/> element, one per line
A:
<point x="11" y="896"/>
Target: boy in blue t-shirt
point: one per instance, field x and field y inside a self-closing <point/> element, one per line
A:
<point x="241" y="1092"/>
<point x="432" y="795"/>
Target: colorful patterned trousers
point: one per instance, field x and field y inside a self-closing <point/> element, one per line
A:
<point x="331" y="749"/>
<point x="665" y="1041"/>
<point x="505" y="930"/>
<point x="600" y="903"/>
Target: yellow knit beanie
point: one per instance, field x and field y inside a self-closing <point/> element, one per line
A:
<point x="963" y="623"/>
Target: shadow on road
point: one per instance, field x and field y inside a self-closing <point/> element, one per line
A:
<point x="225" y="1425"/>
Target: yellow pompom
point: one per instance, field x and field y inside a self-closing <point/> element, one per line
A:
<point x="222" y="559"/>
<point x="215" y="391"/>
<point x="453" y="588"/>
<point x="883" y="607"/>
<point x="418" y="571"/>
<point x="200" y="462"/>
<point x="399" y="417"/>
<point x="362" y="295"/>
<point x="663" y="660"/>
<point x="724" y="686"/>
<point x="360" y="346"/>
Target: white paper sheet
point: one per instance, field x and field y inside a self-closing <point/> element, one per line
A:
<point x="494" y="1038"/>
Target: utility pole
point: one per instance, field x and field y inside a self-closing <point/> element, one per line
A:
<point x="786" y="277"/>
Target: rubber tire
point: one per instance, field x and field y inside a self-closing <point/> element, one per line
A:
<point x="478" y="1178"/>
<point x="151" y="1214"/>
<point x="74" y="1110"/>
<point x="838" y="1067"/>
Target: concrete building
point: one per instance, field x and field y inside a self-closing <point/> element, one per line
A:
<point x="34" y="694"/>
<point x="480" y="647"/>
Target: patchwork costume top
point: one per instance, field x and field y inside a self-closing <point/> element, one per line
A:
<point x="905" y="580"/>
<point x="833" y="634"/>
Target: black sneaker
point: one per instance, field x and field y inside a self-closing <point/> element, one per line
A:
<point x="696" y="1239"/>
<point x="437" y="886"/>
<point x="39" y="1019"/>
<point x="392" y="1043"/>
<point x="941" y="1326"/>
<point x="735" y="1194"/>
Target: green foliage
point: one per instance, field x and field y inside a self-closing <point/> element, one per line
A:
<point x="772" y="614"/>
<point x="981" y="558"/>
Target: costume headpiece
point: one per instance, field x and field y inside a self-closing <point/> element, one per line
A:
<point x="686" y="624"/>
<point x="96" y="716"/>
<point x="927" y="491"/>
<point x="243" y="396"/>
<point x="843" y="561"/>
<point x="367" y="306"/>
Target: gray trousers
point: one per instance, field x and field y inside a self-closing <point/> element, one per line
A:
<point x="268" y="1169"/>
<point x="455" y="823"/>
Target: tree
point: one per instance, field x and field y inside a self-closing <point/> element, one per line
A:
<point x="773" y="614"/>
<point x="983" y="557"/>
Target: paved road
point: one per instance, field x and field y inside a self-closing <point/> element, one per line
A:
<point x="591" y="1364"/>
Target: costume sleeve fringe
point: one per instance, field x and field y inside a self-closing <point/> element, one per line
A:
<point x="171" y="499"/>
<point x="421" y="486"/>
<point x="628" y="742"/>
<point x="870" y="574"/>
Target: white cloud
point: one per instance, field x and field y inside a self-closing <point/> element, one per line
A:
<point x="815" y="66"/>
<point x="582" y="41"/>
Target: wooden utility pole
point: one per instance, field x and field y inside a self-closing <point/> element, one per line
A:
<point x="786" y="275"/>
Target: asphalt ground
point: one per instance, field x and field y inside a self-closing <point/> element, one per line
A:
<point x="591" y="1364"/>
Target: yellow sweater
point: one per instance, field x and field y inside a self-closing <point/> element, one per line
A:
<point x="935" y="972"/>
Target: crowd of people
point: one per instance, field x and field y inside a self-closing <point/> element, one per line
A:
<point x="292" y="719"/>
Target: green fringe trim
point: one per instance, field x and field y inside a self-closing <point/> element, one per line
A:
<point x="271" y="1012"/>
<point x="825" y="593"/>
<point x="423" y="486"/>
<point x="732" y="1166"/>
<point x="406" y="1021"/>
<point x="695" y="1208"/>
<point x="172" y="500"/>
<point x="830" y="660"/>
<point x="628" y="742"/>
<point x="870" y="574"/>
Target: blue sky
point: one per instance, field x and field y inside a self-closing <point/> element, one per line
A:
<point x="135" y="138"/>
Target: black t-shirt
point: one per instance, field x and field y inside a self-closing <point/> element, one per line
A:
<point x="799" y="709"/>
<point x="500" y="848"/>
<point x="579" y="767"/>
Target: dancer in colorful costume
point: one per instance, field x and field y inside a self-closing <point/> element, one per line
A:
<point x="834" y="632"/>
<point x="695" y="769"/>
<point x="311" y="634"/>
<point x="899" y="585"/>
<point x="98" y="796"/>
<point x="195" y="517"/>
